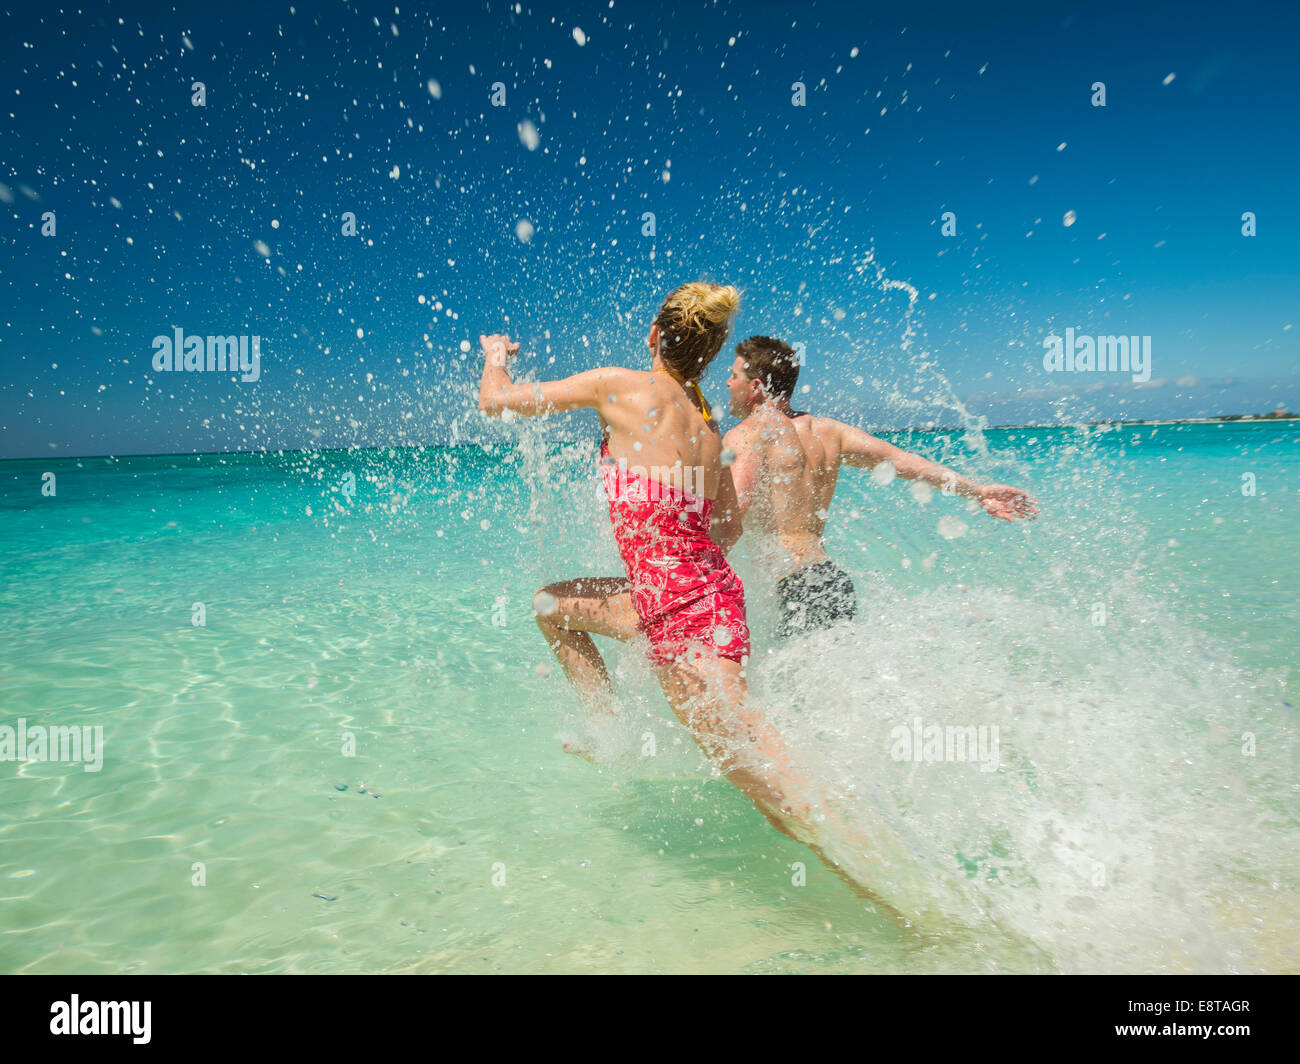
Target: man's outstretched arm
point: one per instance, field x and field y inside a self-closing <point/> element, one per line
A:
<point x="865" y="451"/>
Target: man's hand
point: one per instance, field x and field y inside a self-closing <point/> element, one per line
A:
<point x="1006" y="503"/>
<point x="497" y="349"/>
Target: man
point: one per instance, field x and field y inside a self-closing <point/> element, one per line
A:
<point x="786" y="464"/>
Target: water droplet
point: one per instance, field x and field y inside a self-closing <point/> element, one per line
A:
<point x="952" y="527"/>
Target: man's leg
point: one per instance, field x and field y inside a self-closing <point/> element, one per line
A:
<point x="568" y="613"/>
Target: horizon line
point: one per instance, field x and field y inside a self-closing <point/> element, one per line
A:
<point x="1221" y="418"/>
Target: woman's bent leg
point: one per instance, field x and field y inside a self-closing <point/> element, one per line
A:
<point x="567" y="612"/>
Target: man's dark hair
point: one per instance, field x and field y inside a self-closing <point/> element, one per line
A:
<point x="773" y="362"/>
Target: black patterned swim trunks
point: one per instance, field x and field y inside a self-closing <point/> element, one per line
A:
<point x="815" y="597"/>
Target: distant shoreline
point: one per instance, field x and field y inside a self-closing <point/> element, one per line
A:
<point x="1277" y="415"/>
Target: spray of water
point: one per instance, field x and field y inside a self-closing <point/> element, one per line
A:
<point x="1112" y="823"/>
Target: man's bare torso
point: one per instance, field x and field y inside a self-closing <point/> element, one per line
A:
<point x="790" y="466"/>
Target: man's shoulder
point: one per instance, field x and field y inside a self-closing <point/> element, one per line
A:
<point x="826" y="428"/>
<point x="741" y="434"/>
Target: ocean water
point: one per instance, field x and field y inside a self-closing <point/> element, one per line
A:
<point x="352" y="764"/>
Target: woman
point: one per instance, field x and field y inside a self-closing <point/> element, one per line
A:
<point x="679" y="591"/>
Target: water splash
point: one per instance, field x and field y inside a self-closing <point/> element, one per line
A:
<point x="1123" y="830"/>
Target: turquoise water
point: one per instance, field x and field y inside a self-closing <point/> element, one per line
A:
<point x="1124" y="829"/>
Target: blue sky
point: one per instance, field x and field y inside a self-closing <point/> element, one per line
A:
<point x="226" y="219"/>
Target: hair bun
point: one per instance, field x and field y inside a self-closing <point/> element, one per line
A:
<point x="703" y="304"/>
<point x="697" y="316"/>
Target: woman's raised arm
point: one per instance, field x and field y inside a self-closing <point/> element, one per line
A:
<point x="497" y="393"/>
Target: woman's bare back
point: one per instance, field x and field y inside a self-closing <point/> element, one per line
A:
<point x="651" y="421"/>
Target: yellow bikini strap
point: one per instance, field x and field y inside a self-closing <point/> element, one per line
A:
<point x="704" y="403"/>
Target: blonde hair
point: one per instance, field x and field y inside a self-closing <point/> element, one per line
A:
<point x="693" y="325"/>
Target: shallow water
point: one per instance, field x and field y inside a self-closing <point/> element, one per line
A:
<point x="1124" y="828"/>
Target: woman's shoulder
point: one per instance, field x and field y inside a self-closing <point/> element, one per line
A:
<point x="620" y="375"/>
